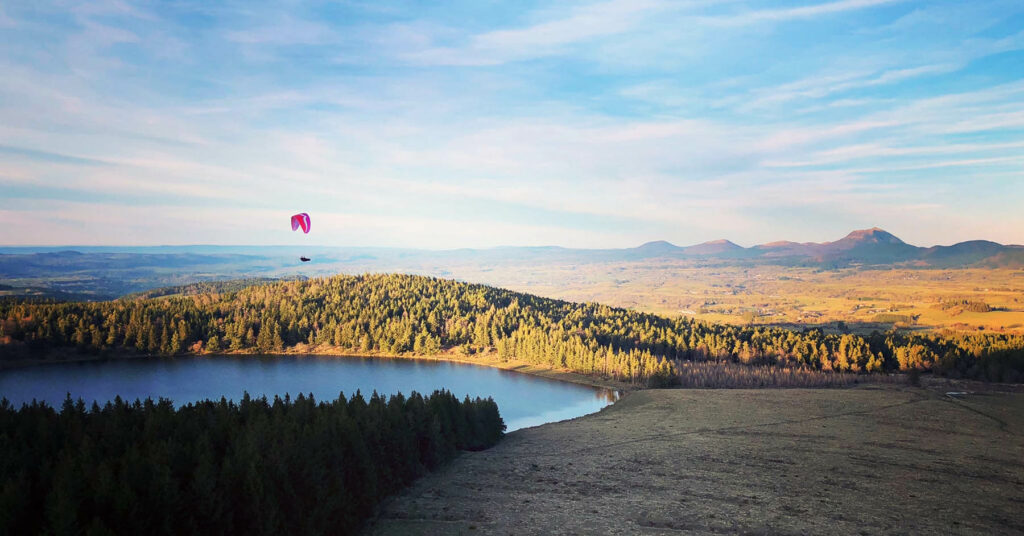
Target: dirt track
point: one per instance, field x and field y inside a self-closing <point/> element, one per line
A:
<point x="859" y="461"/>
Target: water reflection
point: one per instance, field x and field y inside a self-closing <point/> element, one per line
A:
<point x="522" y="399"/>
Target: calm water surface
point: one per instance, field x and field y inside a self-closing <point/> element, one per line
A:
<point x="522" y="399"/>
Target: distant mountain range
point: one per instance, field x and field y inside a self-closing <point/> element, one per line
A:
<point x="871" y="247"/>
<point x="110" y="271"/>
<point x="867" y="247"/>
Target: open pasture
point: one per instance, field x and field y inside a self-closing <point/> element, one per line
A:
<point x="862" y="299"/>
<point x="870" y="460"/>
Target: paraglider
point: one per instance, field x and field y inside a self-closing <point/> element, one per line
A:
<point x="301" y="221"/>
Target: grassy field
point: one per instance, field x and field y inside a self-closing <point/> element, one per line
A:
<point x="864" y="300"/>
<point x="868" y="460"/>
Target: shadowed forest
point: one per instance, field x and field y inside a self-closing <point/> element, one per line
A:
<point x="415" y="315"/>
<point x="256" y="467"/>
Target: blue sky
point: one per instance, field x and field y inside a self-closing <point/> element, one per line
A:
<point x="477" y="123"/>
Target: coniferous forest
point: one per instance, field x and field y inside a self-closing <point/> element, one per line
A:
<point x="307" y="467"/>
<point x="253" y="467"/>
<point x="409" y="315"/>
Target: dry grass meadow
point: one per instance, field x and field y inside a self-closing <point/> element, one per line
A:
<point x="867" y="460"/>
<point x="785" y="296"/>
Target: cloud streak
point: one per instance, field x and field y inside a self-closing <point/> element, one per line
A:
<point x="793" y="13"/>
<point x="601" y="124"/>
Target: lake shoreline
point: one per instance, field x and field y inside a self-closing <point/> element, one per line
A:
<point x="489" y="359"/>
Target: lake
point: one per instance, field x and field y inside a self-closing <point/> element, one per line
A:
<point x="523" y="400"/>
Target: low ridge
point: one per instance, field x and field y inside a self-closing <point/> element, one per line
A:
<point x="714" y="247"/>
<point x="657" y="244"/>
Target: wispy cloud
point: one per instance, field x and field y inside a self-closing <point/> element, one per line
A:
<point x="581" y="24"/>
<point x="592" y="124"/>
<point x="824" y="84"/>
<point x="285" y="29"/>
<point x="793" y="13"/>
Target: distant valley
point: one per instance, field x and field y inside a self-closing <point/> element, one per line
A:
<point x="869" y="279"/>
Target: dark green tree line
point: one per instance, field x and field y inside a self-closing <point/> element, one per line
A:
<point x="253" y="467"/>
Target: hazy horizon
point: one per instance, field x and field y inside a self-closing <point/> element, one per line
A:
<point x="584" y="125"/>
<point x="498" y="246"/>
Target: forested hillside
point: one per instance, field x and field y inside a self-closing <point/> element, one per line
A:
<point x="255" y="467"/>
<point x="404" y="314"/>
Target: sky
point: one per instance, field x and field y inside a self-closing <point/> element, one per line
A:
<point x="478" y="123"/>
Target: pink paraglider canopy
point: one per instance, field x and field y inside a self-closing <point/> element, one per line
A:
<point x="301" y="221"/>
